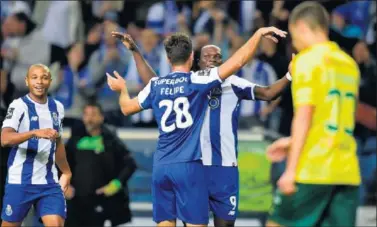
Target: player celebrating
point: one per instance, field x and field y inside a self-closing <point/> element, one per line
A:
<point x="33" y="128"/>
<point x="320" y="184"/>
<point x="178" y="99"/>
<point x="219" y="135"/>
<point x="219" y="139"/>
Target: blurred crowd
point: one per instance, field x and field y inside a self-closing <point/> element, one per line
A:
<point x="73" y="38"/>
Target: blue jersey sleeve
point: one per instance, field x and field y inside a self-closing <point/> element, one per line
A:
<point x="205" y="80"/>
<point x="244" y="89"/>
<point x="145" y="96"/>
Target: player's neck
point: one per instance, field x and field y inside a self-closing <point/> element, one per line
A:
<point x="40" y="100"/>
<point x="180" y="68"/>
<point x="319" y="39"/>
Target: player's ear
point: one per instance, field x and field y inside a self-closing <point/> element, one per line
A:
<point x="26" y="82"/>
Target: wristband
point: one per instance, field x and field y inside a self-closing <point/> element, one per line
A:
<point x="288" y="76"/>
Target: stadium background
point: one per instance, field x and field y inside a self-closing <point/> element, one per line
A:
<point x="74" y="36"/>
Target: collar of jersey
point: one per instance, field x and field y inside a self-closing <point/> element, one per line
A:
<point x="177" y="72"/>
<point x="36" y="103"/>
<point x="324" y="45"/>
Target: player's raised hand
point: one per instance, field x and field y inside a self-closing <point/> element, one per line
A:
<point x="46" y="133"/>
<point x="271" y="32"/>
<point x="126" y="39"/>
<point x="116" y="83"/>
<point x="278" y="150"/>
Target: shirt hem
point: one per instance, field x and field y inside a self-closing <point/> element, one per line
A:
<point x="221" y="165"/>
<point x="20" y="184"/>
<point x="177" y="161"/>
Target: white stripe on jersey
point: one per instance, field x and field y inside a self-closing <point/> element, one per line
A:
<point x="228" y="144"/>
<point x="15" y="170"/>
<point x="55" y="171"/>
<point x="205" y="139"/>
<point x="234" y="89"/>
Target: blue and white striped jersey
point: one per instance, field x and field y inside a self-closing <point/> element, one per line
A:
<point x="179" y="101"/>
<point x="218" y="137"/>
<point x="33" y="161"/>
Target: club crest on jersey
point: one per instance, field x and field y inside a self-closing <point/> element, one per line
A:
<point x="8" y="210"/>
<point x="214" y="102"/>
<point x="55" y="119"/>
<point x="9" y="113"/>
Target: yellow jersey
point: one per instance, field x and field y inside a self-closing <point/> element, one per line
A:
<point x="327" y="78"/>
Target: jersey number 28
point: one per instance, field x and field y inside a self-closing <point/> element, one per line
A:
<point x="183" y="118"/>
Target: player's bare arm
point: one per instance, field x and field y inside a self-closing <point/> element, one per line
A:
<point x="272" y="92"/>
<point x="300" y="127"/>
<point x="247" y="51"/>
<point x="127" y="105"/>
<point x="62" y="163"/>
<point x="144" y="69"/>
<point x="9" y="136"/>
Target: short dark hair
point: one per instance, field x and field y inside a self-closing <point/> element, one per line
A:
<point x="95" y="104"/>
<point x="178" y="48"/>
<point x="313" y="13"/>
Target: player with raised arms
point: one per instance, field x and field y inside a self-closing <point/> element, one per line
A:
<point x="179" y="187"/>
<point x="33" y="128"/>
<point x="319" y="186"/>
<point x="219" y="130"/>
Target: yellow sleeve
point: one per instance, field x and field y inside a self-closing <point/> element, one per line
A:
<point x="305" y="82"/>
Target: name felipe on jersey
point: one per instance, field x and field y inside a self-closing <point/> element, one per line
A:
<point x="172" y="90"/>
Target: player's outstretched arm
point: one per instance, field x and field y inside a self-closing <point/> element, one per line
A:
<point x="273" y="91"/>
<point x="247" y="51"/>
<point x="9" y="136"/>
<point x="144" y="69"/>
<point x="127" y="105"/>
